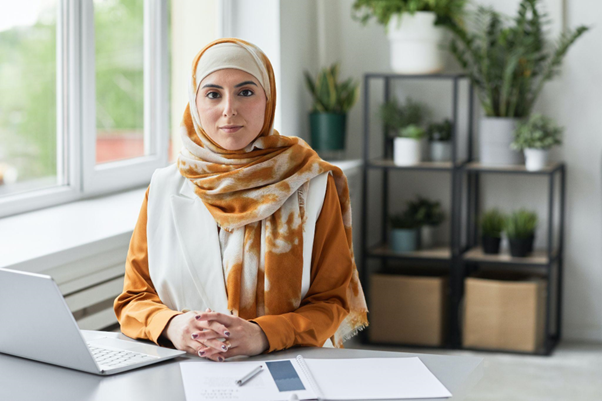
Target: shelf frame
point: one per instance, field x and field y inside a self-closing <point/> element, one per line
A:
<point x="460" y="260"/>
<point x="553" y="255"/>
<point x="386" y="164"/>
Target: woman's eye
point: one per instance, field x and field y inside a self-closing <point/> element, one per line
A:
<point x="250" y="93"/>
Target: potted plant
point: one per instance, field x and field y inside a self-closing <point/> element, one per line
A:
<point x="406" y="121"/>
<point x="492" y="226"/>
<point x="520" y="228"/>
<point x="439" y="136"/>
<point x="331" y="102"/>
<point x="535" y="137"/>
<point x="404" y="232"/>
<point x="428" y="215"/>
<point x="508" y="65"/>
<point x="414" y="28"/>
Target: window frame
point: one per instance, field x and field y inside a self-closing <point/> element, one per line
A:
<point x="78" y="175"/>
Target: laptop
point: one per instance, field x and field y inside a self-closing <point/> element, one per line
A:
<point x="38" y="325"/>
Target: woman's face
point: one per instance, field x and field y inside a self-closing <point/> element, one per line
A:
<point x="231" y="97"/>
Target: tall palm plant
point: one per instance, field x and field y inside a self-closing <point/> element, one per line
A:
<point x="510" y="61"/>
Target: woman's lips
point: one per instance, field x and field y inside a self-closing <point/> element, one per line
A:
<point x="231" y="130"/>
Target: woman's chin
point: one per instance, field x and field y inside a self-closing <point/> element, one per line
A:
<point x="233" y="146"/>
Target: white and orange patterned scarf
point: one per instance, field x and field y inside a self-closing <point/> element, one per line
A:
<point x="257" y="195"/>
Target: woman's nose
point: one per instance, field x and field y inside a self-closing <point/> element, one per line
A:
<point x="229" y="106"/>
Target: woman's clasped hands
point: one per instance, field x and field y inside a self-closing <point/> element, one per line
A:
<point x="216" y="336"/>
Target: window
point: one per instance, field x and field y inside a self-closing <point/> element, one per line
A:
<point x="84" y="100"/>
<point x="92" y="93"/>
<point x="28" y="107"/>
<point x="119" y="54"/>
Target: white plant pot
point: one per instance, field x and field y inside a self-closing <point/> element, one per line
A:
<point x="536" y="159"/>
<point x="406" y="151"/>
<point x="495" y="136"/>
<point x="440" y="151"/>
<point x="415" y="43"/>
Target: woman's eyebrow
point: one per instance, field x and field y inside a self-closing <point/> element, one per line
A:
<point x="235" y="86"/>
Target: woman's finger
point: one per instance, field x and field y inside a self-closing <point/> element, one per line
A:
<point x="224" y="319"/>
<point x="214" y="326"/>
<point x="211" y="354"/>
<point x="217" y="344"/>
<point x="204" y="335"/>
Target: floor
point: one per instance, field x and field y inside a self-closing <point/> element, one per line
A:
<point x="572" y="372"/>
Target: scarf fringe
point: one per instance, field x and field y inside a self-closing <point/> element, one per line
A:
<point x="350" y="335"/>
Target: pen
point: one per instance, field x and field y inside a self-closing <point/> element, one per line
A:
<point x="252" y="374"/>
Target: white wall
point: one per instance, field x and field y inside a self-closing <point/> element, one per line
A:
<point x="259" y="22"/>
<point x="298" y="37"/>
<point x="290" y="32"/>
<point x="193" y="26"/>
<point x="574" y="99"/>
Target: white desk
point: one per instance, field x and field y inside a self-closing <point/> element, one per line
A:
<point x="22" y="379"/>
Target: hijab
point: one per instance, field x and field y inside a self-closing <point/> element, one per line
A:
<point x="257" y="197"/>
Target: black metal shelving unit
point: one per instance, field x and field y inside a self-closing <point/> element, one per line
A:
<point x="461" y="259"/>
<point x="447" y="256"/>
<point x="543" y="262"/>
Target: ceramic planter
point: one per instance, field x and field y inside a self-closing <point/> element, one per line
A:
<point x="406" y="151"/>
<point x="427" y="236"/>
<point x="414" y="43"/>
<point x="404" y="240"/>
<point x="491" y="245"/>
<point x="328" y="131"/>
<point x="536" y="159"/>
<point x="521" y="247"/>
<point x="440" y="151"/>
<point x="495" y="136"/>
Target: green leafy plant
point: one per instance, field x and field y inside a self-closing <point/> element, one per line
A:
<point x="440" y="131"/>
<point x="404" y="220"/>
<point x="412" y="131"/>
<point x="521" y="224"/>
<point x="406" y="118"/>
<point x="330" y="95"/>
<point x="492" y="223"/>
<point x="425" y="211"/>
<point x="446" y="11"/>
<point x="510" y="63"/>
<point x="538" y="132"/>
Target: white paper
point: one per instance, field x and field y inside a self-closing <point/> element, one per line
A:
<point x="337" y="379"/>
<point x="206" y="380"/>
<point x="375" y="378"/>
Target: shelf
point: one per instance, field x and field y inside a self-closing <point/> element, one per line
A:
<point x="436" y="253"/>
<point x="538" y="257"/>
<point x="521" y="169"/>
<point x="389" y="164"/>
<point x="417" y="76"/>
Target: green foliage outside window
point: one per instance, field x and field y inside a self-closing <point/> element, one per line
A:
<point x="28" y="73"/>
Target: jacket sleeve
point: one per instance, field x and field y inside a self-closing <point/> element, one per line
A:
<point x="325" y="305"/>
<point x="138" y="308"/>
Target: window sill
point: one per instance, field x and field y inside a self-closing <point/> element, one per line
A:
<point x="47" y="238"/>
<point x="39" y="240"/>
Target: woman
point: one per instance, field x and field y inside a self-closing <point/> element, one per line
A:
<point x="243" y="246"/>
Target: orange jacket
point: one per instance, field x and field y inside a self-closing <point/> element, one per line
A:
<point x="142" y="315"/>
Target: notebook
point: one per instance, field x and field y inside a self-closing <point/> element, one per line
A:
<point x="304" y="379"/>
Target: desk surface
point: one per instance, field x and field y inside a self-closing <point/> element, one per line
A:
<point x="22" y="379"/>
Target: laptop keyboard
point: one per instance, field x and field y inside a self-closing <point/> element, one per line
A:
<point x="117" y="358"/>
